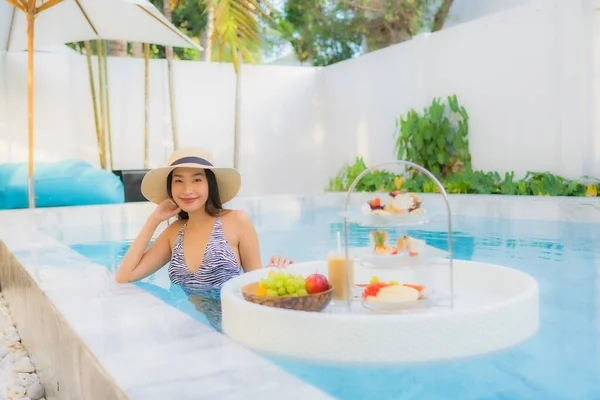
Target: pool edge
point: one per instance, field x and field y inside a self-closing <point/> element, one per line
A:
<point x="66" y="366"/>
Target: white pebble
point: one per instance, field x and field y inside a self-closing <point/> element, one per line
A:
<point x="14" y="346"/>
<point x="35" y="391"/>
<point x="22" y="381"/>
<point x="23" y="365"/>
<point x="8" y="359"/>
<point x="16" y="392"/>
<point x="12" y="339"/>
<point x="18" y="380"/>
<point x="20" y="354"/>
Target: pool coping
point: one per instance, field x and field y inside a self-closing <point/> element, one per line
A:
<point x="84" y="309"/>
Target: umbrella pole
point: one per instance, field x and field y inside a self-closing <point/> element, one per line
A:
<point x="107" y="98"/>
<point x="146" y="101"/>
<point x="30" y="104"/>
<point x="101" y="89"/>
<point x="172" y="107"/>
<point x="88" y="56"/>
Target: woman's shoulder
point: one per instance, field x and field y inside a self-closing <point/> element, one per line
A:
<point x="174" y="227"/>
<point x="235" y="216"/>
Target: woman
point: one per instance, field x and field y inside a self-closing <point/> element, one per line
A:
<point x="207" y="245"/>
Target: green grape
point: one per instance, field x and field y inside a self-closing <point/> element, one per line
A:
<point x="281" y="291"/>
<point x="290" y="282"/>
<point x="271" y="284"/>
<point x="300" y="277"/>
<point x="291" y="289"/>
<point x="301" y="292"/>
<point x="279" y="283"/>
<point x="394" y="283"/>
<point x="272" y="293"/>
<point x="375" y="279"/>
<point x="300" y="284"/>
<point x="294" y="295"/>
<point x="281" y="275"/>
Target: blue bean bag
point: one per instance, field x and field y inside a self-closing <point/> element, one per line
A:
<point x="63" y="183"/>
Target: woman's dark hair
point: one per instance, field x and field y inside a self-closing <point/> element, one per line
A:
<point x="213" y="204"/>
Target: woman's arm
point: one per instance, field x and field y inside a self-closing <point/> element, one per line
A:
<point x="140" y="263"/>
<point x="248" y="246"/>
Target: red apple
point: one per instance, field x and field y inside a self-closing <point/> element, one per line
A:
<point x="316" y="283"/>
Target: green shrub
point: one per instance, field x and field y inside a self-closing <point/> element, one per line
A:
<point x="465" y="182"/>
<point x="438" y="141"/>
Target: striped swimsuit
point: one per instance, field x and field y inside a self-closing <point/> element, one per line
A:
<point x="219" y="264"/>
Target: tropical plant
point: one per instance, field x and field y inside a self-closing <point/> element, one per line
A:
<point x="437" y="139"/>
<point x="238" y="25"/>
<point x="463" y="182"/>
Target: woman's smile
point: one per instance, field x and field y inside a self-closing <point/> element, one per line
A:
<point x="188" y="200"/>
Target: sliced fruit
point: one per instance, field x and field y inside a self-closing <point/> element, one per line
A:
<point x="380" y="238"/>
<point x="398" y="182"/>
<point x="375" y="203"/>
<point x="397" y="294"/>
<point x="373" y="288"/>
<point x="420" y="288"/>
<point x="261" y="291"/>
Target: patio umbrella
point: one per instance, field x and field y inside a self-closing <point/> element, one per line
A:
<point x="63" y="21"/>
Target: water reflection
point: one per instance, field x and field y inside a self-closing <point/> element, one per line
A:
<point x="200" y="302"/>
<point x="207" y="301"/>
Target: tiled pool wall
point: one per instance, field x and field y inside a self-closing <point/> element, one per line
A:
<point x="86" y="343"/>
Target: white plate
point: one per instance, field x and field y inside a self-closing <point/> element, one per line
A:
<point x="368" y="259"/>
<point x="385" y="220"/>
<point x="383" y="307"/>
<point x="430" y="298"/>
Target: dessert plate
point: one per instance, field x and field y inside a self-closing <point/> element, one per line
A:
<point x="383" y="220"/>
<point x="426" y="254"/>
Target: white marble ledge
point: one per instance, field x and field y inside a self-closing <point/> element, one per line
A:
<point x="152" y="350"/>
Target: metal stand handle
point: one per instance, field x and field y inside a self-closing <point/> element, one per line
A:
<point x="442" y="191"/>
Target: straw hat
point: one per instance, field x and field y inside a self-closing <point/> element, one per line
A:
<point x="154" y="184"/>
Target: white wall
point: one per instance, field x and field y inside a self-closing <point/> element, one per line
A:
<point x="524" y="74"/>
<point x="282" y="136"/>
<point x="64" y="121"/>
<point x="278" y="116"/>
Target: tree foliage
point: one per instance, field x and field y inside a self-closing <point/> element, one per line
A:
<point x="321" y="32"/>
<point x="238" y="25"/>
<point x="327" y="31"/>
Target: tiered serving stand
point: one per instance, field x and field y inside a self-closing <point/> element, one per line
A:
<point x="469" y="307"/>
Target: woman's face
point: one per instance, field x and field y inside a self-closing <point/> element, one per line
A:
<point x="189" y="188"/>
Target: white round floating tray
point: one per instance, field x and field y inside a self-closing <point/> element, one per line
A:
<point x="495" y="308"/>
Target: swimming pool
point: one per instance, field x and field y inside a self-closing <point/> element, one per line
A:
<point x="561" y="361"/>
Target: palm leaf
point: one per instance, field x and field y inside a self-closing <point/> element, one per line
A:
<point x="238" y="26"/>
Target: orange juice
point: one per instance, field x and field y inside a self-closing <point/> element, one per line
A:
<point x="336" y="265"/>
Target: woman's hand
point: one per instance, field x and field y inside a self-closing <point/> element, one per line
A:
<point x="165" y="210"/>
<point x="279" y="262"/>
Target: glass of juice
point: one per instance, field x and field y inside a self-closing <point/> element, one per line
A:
<point x="336" y="270"/>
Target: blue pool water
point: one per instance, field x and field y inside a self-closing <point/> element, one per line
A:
<point x="562" y="361"/>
